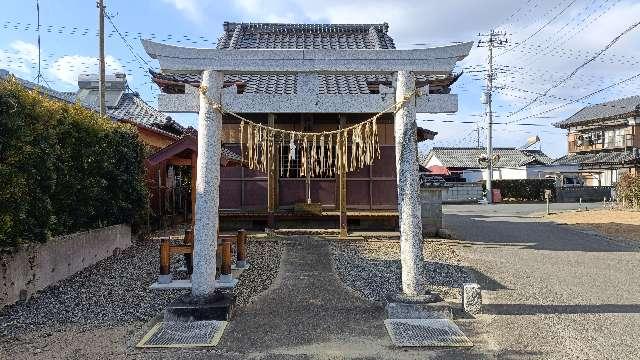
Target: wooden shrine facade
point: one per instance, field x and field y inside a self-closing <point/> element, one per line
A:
<point x="298" y="88"/>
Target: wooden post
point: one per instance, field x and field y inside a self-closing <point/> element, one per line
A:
<point x="165" y="262"/>
<point x="271" y="178"/>
<point x="188" y="258"/>
<point x="194" y="175"/>
<point x="225" y="267"/>
<point x="342" y="186"/>
<point x="241" y="246"/>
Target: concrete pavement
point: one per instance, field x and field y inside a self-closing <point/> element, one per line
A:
<point x="551" y="292"/>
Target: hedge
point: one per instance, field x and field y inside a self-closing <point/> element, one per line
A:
<point x="63" y="168"/>
<point x="524" y="189"/>
<point x="628" y="190"/>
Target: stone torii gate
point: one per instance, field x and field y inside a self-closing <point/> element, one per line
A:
<point x="214" y="63"/>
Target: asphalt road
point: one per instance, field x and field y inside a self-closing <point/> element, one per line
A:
<point x="550" y="292"/>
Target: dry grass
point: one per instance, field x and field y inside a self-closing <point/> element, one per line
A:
<point x="615" y="223"/>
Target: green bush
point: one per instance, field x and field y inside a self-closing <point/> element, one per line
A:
<point x="63" y="168"/>
<point x="628" y="190"/>
<point x="524" y="189"/>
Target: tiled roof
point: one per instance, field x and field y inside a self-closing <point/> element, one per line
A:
<point x="305" y="36"/>
<point x="468" y="157"/>
<point x="610" y="109"/>
<point x="600" y="158"/>
<point x="129" y="107"/>
<point x="132" y="107"/>
<point x="286" y="84"/>
<point x="58" y="95"/>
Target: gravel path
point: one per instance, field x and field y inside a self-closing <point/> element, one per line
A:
<point x="372" y="268"/>
<point x="114" y="292"/>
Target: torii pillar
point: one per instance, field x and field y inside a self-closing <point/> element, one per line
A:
<point x="405" y="128"/>
<point x="207" y="187"/>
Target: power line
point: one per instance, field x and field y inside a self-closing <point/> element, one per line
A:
<point x="540" y="29"/>
<point x="126" y="42"/>
<point x="559" y="83"/>
<point x="578" y="99"/>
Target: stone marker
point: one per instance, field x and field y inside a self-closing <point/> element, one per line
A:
<point x="471" y="298"/>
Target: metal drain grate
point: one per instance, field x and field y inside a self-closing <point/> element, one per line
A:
<point x="184" y="334"/>
<point x="425" y="332"/>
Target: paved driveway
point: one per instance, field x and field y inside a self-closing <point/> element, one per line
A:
<point x="551" y="292"/>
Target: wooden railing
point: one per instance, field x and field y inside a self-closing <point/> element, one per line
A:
<point x="617" y="142"/>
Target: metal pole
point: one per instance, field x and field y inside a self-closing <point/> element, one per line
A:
<point x="548" y="212"/>
<point x="101" y="57"/>
<point x="490" y="122"/>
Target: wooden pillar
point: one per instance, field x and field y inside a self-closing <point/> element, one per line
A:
<point x="272" y="181"/>
<point x="342" y="186"/>
<point x="165" y="262"/>
<point x="194" y="175"/>
<point x="225" y="267"/>
<point x="241" y="249"/>
<point x="162" y="190"/>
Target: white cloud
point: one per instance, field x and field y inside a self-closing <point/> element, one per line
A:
<point x="20" y="58"/>
<point x="67" y="68"/>
<point x="193" y="9"/>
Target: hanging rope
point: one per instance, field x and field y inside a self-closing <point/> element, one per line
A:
<point x="363" y="136"/>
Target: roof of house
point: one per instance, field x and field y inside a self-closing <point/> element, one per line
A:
<point x="610" y="109"/>
<point x="122" y="103"/>
<point x="190" y="142"/>
<point x="617" y="157"/>
<point x="47" y="91"/>
<point x="467" y="158"/>
<point x="304" y="36"/>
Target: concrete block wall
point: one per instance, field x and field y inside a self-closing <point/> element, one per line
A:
<point x="463" y="193"/>
<point x="35" y="266"/>
<point x="431" y="210"/>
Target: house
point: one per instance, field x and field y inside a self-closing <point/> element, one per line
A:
<point x="155" y="129"/>
<point x="463" y="164"/>
<point x="305" y="102"/>
<point x="603" y="141"/>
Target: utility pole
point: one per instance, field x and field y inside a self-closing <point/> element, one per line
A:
<point x="101" y="79"/>
<point x="494" y="39"/>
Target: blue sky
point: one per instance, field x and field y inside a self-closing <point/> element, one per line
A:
<point x="549" y="39"/>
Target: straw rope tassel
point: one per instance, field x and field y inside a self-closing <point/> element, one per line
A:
<point x="281" y="153"/>
<point x="241" y="147"/>
<point x="322" y="157"/>
<point x="365" y="145"/>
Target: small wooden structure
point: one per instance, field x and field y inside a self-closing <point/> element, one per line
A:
<point x="184" y="153"/>
<point x="224" y="253"/>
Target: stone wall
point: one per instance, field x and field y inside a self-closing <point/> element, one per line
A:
<point x="36" y="266"/>
<point x="460" y="193"/>
<point x="431" y="210"/>
<point x="586" y="193"/>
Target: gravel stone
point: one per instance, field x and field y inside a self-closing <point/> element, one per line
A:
<point x="264" y="262"/>
<point x="115" y="291"/>
<point x="372" y="268"/>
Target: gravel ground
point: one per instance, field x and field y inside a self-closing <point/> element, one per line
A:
<point x="372" y="268"/>
<point x="264" y="262"/>
<point x="114" y="292"/>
